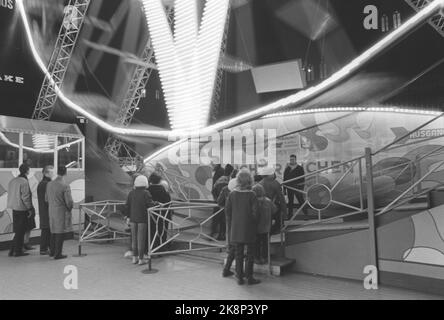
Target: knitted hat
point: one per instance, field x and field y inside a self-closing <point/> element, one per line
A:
<point x="141" y="181"/>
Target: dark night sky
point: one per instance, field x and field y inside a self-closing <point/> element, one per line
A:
<point x="273" y="41"/>
<point x="16" y="99"/>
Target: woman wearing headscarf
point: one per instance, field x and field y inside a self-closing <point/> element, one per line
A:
<point x="241" y="213"/>
<point x="219" y="223"/>
<point x="273" y="191"/>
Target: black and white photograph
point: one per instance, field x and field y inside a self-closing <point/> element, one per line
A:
<point x="222" y="156"/>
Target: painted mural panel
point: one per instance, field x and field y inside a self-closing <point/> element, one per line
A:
<point x="420" y="238"/>
<point x="324" y="139"/>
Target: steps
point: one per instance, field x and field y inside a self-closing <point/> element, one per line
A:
<point x="277" y="267"/>
<point x="413" y="206"/>
<point x="218" y="255"/>
<point x="349" y="225"/>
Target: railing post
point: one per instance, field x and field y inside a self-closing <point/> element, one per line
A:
<point x="371" y="209"/>
<point x="418" y="173"/>
<point x="79" y="252"/>
<point x="282" y="236"/>
<point x="361" y="185"/>
<point x="149" y="270"/>
<point x="270" y="270"/>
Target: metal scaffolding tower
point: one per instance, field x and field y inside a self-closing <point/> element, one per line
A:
<point x="135" y="92"/>
<point x="437" y="21"/>
<point x="73" y="20"/>
<point x="220" y="72"/>
<point x="115" y="147"/>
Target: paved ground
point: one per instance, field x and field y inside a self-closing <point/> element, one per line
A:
<point x="105" y="274"/>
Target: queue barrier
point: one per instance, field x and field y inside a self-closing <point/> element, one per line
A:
<point x="104" y="221"/>
<point x="181" y="221"/>
<point x="176" y="221"/>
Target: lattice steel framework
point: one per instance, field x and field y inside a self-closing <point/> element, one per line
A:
<point x="220" y="72"/>
<point x="73" y="20"/>
<point x="437" y="21"/>
<point x="136" y="91"/>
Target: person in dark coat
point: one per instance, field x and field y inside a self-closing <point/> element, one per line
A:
<point x="45" y="235"/>
<point x="218" y="172"/>
<point x="60" y="205"/>
<point x="160" y="195"/>
<point x="138" y="201"/>
<point x="241" y="213"/>
<point x="221" y="201"/>
<point x="20" y="202"/>
<point x="265" y="210"/>
<point x="273" y="191"/>
<point x="218" y="225"/>
<point x="291" y="173"/>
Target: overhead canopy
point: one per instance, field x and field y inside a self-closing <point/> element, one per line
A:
<point x="13" y="124"/>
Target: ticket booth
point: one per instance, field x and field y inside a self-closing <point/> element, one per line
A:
<point x="39" y="143"/>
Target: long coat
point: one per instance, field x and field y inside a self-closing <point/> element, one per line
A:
<point x="60" y="202"/>
<point x="43" y="205"/>
<point x="273" y="191"/>
<point x="265" y="210"/>
<point x="137" y="204"/>
<point x="241" y="213"/>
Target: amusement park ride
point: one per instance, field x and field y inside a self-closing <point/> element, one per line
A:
<point x="359" y="166"/>
<point x="74" y="17"/>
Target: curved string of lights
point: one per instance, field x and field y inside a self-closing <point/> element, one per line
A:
<point x="17" y="146"/>
<point x="317" y="110"/>
<point x="356" y="109"/>
<point x="297" y="98"/>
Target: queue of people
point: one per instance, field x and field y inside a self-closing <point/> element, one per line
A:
<point x="253" y="209"/>
<point x="55" y="206"/>
<point x="248" y="214"/>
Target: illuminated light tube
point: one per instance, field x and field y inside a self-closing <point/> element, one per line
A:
<point x="354" y="109"/>
<point x="69" y="103"/>
<point x="298" y="98"/>
<point x="43" y="141"/>
<point x="37" y="150"/>
<point x="188" y="59"/>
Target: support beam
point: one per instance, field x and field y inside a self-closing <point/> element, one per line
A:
<point x="73" y="20"/>
<point x="371" y="209"/>
<point x="220" y="72"/>
<point x="135" y="92"/>
<point x="437" y="21"/>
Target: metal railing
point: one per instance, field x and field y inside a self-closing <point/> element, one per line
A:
<point x="180" y="221"/>
<point x="104" y="221"/>
<point x="371" y="184"/>
<point x="355" y="199"/>
<point x="416" y="189"/>
<point x="317" y="183"/>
